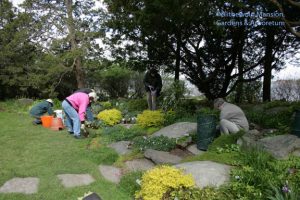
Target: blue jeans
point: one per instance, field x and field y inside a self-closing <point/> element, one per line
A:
<point x="89" y="114"/>
<point x="72" y="118"/>
<point x="37" y="119"/>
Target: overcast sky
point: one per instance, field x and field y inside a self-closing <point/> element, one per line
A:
<point x="292" y="71"/>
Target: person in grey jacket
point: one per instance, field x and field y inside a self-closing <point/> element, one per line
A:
<point x="232" y="118"/>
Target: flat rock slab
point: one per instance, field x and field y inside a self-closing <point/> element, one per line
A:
<point x="177" y="130"/>
<point x="162" y="157"/>
<point x="110" y="173"/>
<point x="181" y="153"/>
<point x="139" y="165"/>
<point x="74" y="180"/>
<point x="21" y="185"/>
<point x="121" y="147"/>
<point x="194" y="150"/>
<point x="206" y="173"/>
<point x="280" y="146"/>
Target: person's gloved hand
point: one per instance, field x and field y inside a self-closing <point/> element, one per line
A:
<point x="82" y="127"/>
<point x="88" y="124"/>
<point x="151" y="87"/>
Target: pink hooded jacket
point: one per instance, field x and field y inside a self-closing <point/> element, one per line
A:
<point x="79" y="101"/>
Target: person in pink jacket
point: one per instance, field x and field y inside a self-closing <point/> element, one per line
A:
<point x="75" y="107"/>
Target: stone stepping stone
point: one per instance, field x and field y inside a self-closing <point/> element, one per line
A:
<point x="177" y="130"/>
<point x="121" y="147"/>
<point x="110" y="173"/>
<point x="139" y="165"/>
<point x="162" y="157"/>
<point x="193" y="149"/>
<point x="207" y="173"/>
<point x="74" y="180"/>
<point x="27" y="185"/>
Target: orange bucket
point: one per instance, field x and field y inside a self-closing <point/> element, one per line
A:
<point x="56" y="124"/>
<point x="46" y="121"/>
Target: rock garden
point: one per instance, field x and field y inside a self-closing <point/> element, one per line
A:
<point x="153" y="155"/>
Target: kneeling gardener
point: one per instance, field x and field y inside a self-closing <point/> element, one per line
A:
<point x="232" y="118"/>
<point x="40" y="109"/>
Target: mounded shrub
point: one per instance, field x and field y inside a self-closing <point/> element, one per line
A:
<point x="161" y="180"/>
<point x="110" y="117"/>
<point x="150" y="118"/>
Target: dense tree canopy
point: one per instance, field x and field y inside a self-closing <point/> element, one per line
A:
<point x="190" y="35"/>
<point x="50" y="47"/>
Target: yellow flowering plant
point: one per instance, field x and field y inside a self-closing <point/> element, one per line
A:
<point x="150" y="118"/>
<point x="110" y="117"/>
<point x="161" y="180"/>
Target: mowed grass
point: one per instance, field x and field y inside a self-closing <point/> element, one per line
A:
<point x="33" y="151"/>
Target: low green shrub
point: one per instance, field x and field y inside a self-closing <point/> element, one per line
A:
<point x="160" y="143"/>
<point x="224" y="141"/>
<point x="170" y="117"/>
<point x="196" y="194"/>
<point x="119" y="133"/>
<point x="259" y="172"/>
<point x="129" y="183"/>
<point x="137" y="105"/>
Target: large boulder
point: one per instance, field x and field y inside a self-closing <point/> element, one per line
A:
<point x="280" y="146"/>
<point x="206" y="173"/>
<point x="177" y="130"/>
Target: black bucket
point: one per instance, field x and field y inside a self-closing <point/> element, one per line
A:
<point x="296" y="124"/>
<point x="206" y="130"/>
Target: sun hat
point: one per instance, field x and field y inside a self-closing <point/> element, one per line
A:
<point x="93" y="95"/>
<point x="50" y="101"/>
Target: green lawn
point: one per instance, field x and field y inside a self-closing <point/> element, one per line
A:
<point x="34" y="151"/>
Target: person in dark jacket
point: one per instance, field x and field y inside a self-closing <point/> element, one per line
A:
<point x="40" y="109"/>
<point x="153" y="85"/>
<point x="89" y="113"/>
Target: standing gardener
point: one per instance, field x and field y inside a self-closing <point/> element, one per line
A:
<point x="153" y="85"/>
<point x="40" y="109"/>
<point x="75" y="107"/>
<point x="89" y="113"/>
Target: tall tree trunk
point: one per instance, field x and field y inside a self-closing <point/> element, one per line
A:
<point x="79" y="73"/>
<point x="240" y="88"/>
<point x="178" y="58"/>
<point x="268" y="66"/>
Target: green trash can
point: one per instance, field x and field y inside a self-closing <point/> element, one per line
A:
<point x="296" y="124"/>
<point x="206" y="130"/>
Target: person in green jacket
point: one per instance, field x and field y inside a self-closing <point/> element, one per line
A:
<point x="40" y="109"/>
<point x="153" y="85"/>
